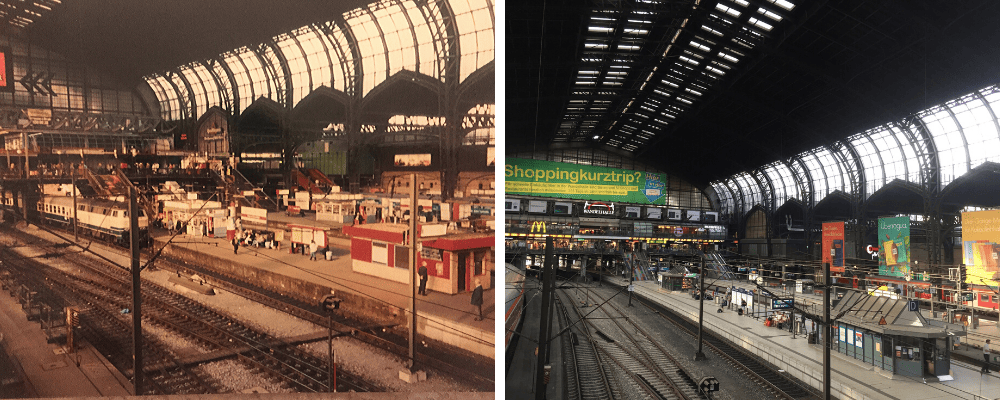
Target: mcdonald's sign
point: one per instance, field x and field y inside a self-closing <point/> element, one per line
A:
<point x="538" y="227"/>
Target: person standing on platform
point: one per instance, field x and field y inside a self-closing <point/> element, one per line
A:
<point x="986" y="357"/>
<point x="313" y="247"/>
<point x="236" y="244"/>
<point x="477" y="299"/>
<point x="423" y="278"/>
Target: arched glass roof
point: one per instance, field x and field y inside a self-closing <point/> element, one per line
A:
<point x="963" y="133"/>
<point x="387" y="36"/>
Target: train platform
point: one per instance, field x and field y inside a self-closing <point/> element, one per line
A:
<point x="48" y="370"/>
<point x="447" y="318"/>
<point x="850" y="378"/>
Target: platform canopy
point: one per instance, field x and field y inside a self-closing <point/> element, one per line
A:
<point x="865" y="310"/>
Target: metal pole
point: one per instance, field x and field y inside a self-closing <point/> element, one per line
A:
<point x="828" y="329"/>
<point x="631" y="273"/>
<point x="543" y="330"/>
<point x="329" y="366"/>
<point x="76" y="233"/>
<point x="133" y="213"/>
<point x="701" y="310"/>
<point x="413" y="270"/>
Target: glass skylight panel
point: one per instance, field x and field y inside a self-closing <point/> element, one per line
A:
<point x="783" y="4"/>
<point x="684" y="100"/>
<point x="743" y="3"/>
<point x="596" y="46"/>
<point x="760" y="24"/>
<point x="706" y="28"/>
<point x="980" y="130"/>
<point x="870" y="161"/>
<point x="694" y="92"/>
<point x="688" y="60"/>
<point x="769" y="14"/>
<point x="727" y="57"/>
<point x="628" y="47"/>
<point x="600" y="29"/>
<point x="699" y="46"/>
<point x="715" y="70"/>
<point x="727" y="10"/>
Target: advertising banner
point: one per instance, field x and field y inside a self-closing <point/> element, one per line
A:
<point x="894" y="246"/>
<point x="555" y="179"/>
<point x="981" y="246"/>
<point x="833" y="245"/>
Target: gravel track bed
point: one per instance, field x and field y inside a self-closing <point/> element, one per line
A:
<point x="379" y="366"/>
<point x="239" y="378"/>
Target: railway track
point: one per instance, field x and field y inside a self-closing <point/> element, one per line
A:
<point x="477" y="372"/>
<point x="108" y="289"/>
<point x="585" y="375"/>
<point x="109" y="332"/>
<point x="778" y="384"/>
<point x="642" y="369"/>
<point x="442" y="360"/>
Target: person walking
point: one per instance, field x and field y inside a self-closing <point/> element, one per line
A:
<point x="422" y="272"/>
<point x="236" y="244"/>
<point x="477" y="299"/>
<point x="313" y="247"/>
<point x="986" y="357"/>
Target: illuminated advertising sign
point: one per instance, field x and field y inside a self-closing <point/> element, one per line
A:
<point x="6" y="70"/>
<point x="585" y="182"/>
<point x="894" y="249"/>
<point x="598" y="208"/>
<point x="833" y="245"/>
<point x="412" y="160"/>
<point x="981" y="246"/>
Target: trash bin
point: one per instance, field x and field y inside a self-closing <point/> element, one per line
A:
<point x="329" y="255"/>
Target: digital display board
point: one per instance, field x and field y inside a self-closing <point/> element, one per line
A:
<point x="556" y="179"/>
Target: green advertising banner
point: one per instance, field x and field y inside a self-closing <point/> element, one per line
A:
<point x="584" y="182"/>
<point x="894" y="246"/>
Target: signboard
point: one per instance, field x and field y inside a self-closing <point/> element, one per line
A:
<point x="692" y="216"/>
<point x="598" y="208"/>
<point x="632" y="212"/>
<point x="782" y="304"/>
<point x="512" y="205"/>
<point x="412" y="160"/>
<point x="981" y="246"/>
<point x="39" y="116"/>
<point x="912" y="305"/>
<point x="894" y="253"/>
<point x="253" y="215"/>
<point x="674" y="215"/>
<point x="833" y="245"/>
<point x="537" y="206"/>
<point x="859" y="339"/>
<point x="654" y="213"/>
<point x="6" y="70"/>
<point x="562" y="208"/>
<point x="555" y="179"/>
<point x="711" y="217"/>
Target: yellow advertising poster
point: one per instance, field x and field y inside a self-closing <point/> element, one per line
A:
<point x="981" y="246"/>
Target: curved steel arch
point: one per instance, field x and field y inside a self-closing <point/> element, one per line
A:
<point x="860" y="188"/>
<point x="741" y="200"/>
<point x="767" y="199"/>
<point x="225" y="101"/>
<point x="808" y="188"/>
<point x="356" y="82"/>
<point x="906" y="166"/>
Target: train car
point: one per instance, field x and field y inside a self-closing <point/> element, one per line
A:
<point x="104" y="219"/>
<point x="515" y="303"/>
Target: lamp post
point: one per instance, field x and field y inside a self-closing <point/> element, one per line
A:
<point x="701" y="309"/>
<point x="330" y="303"/>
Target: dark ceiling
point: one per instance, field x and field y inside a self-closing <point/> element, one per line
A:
<point x="826" y="71"/>
<point x="132" y="38"/>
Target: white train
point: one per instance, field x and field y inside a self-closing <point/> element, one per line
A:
<point x="514" y="278"/>
<point x="104" y="219"/>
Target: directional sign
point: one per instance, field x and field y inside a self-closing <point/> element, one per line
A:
<point x="782" y="304"/>
<point x="912" y="305"/>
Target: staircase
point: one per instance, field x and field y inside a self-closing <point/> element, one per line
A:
<point x="237" y="183"/>
<point x="147" y="204"/>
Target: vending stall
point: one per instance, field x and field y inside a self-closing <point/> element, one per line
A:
<point x="453" y="262"/>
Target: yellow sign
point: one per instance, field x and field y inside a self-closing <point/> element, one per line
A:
<point x="538" y="226"/>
